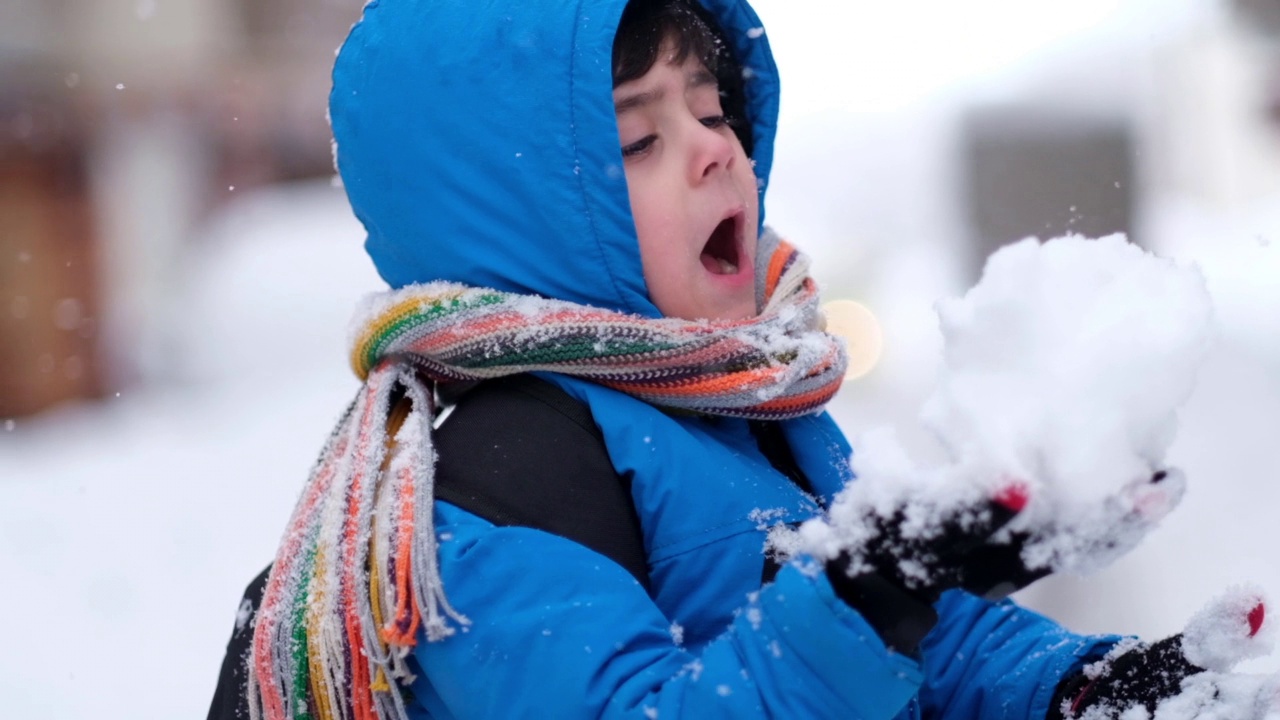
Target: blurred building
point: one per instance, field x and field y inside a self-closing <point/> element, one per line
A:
<point x="1096" y="142"/>
<point x="49" y="286"/>
<point x="1045" y="172"/>
<point x="123" y="123"/>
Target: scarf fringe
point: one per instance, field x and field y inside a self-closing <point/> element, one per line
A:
<point x="353" y="582"/>
<point x="357" y="576"/>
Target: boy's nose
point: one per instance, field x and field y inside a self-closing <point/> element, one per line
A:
<point x="711" y="153"/>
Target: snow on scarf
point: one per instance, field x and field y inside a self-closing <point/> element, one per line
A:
<point x="356" y="576"/>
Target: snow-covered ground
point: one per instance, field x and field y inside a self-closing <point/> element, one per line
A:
<point x="129" y="528"/>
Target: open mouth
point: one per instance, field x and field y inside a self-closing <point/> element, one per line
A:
<point x="722" y="255"/>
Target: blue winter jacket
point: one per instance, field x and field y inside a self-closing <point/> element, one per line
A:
<point x="476" y="140"/>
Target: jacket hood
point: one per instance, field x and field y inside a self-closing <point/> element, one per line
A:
<point x="477" y="143"/>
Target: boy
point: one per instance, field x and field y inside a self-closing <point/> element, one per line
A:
<point x="577" y="186"/>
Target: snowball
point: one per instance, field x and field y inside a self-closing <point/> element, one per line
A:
<point x="1065" y="364"/>
<point x="1063" y="371"/>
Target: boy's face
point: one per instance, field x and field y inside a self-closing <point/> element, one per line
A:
<point x="693" y="192"/>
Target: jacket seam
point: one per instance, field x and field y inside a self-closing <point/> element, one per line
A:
<point x="704" y="543"/>
<point x="577" y="161"/>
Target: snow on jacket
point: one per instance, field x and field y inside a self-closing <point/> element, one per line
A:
<point x="477" y="143"/>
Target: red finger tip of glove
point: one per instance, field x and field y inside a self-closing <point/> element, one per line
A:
<point x="1256" y="616"/>
<point x="1014" y="496"/>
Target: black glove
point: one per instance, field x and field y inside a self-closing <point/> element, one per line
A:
<point x="896" y="576"/>
<point x="1143" y="676"/>
<point x="902" y="563"/>
<point x="1161" y="675"/>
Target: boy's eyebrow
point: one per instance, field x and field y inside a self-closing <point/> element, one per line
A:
<point x="701" y="78"/>
<point x="638" y="100"/>
<point x="696" y="79"/>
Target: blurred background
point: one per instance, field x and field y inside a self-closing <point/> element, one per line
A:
<point x="177" y="268"/>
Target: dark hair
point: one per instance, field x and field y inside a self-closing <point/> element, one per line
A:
<point x="645" y="24"/>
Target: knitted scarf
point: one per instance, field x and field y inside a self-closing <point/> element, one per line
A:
<point x="357" y="578"/>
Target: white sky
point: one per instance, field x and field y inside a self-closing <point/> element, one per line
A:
<point x="889" y="54"/>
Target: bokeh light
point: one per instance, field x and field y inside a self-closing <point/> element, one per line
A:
<point x="857" y="325"/>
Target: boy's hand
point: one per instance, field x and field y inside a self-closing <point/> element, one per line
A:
<point x="917" y="552"/>
<point x="898" y="556"/>
<point x="1184" y="677"/>
<point x="927" y="548"/>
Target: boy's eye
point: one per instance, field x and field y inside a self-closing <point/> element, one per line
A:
<point x="638" y="147"/>
<point x="715" y="121"/>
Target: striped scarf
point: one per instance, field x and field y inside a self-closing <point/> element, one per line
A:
<point x="356" y="578"/>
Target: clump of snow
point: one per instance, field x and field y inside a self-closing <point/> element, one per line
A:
<point x="1207" y="696"/>
<point x="243" y="614"/>
<point x="1218" y="696"/>
<point x="1102" y="667"/>
<point x="766" y="519"/>
<point x="1228" y="630"/>
<point x="1066" y="364"/>
<point x="1063" y="372"/>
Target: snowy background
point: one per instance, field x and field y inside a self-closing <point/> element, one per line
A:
<point x="130" y="525"/>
